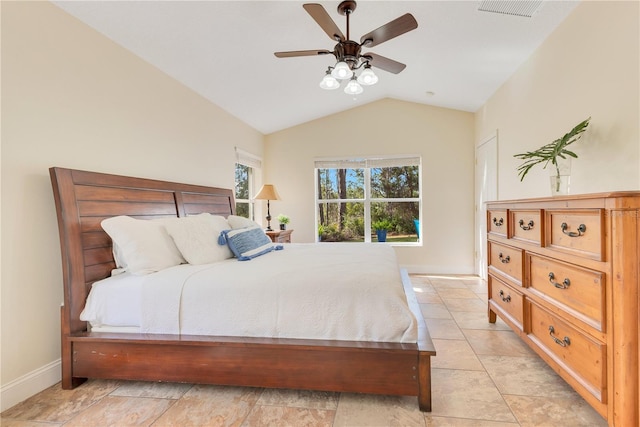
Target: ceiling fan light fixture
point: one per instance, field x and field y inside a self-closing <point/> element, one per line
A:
<point x="367" y="77"/>
<point x="350" y="61"/>
<point x="329" y="82"/>
<point x="353" y="87"/>
<point x="342" y="71"/>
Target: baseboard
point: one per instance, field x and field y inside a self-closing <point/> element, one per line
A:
<point x="32" y="383"/>
<point x="438" y="269"/>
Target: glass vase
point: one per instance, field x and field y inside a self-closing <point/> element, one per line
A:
<point x="560" y="185"/>
<point x="560" y="177"/>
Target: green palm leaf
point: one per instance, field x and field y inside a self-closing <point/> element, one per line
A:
<point x="550" y="152"/>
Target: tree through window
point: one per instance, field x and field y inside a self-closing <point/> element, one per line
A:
<point x="247" y="168"/>
<point x="354" y="197"/>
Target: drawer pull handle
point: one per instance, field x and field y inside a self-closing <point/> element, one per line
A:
<point x="581" y="229"/>
<point x="564" y="285"/>
<point x="498" y="222"/>
<point x="504" y="259"/>
<point x="527" y="227"/>
<point x="505" y="299"/>
<point x="561" y="342"/>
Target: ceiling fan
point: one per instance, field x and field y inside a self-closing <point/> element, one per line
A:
<point x="348" y="53"/>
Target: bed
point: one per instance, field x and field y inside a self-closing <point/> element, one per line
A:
<point x="84" y="199"/>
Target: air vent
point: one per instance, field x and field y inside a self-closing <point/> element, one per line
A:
<point x="526" y="8"/>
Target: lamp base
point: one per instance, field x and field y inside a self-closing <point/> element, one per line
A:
<point x="268" y="218"/>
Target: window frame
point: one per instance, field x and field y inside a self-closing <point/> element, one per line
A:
<point x="254" y="165"/>
<point x="367" y="163"/>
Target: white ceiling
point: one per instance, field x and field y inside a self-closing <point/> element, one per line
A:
<point x="223" y="50"/>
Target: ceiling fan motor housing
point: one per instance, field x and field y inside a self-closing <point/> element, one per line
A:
<point x="348" y="51"/>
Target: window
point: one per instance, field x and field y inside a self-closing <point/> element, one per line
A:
<point x="355" y="197"/>
<point x="247" y="168"/>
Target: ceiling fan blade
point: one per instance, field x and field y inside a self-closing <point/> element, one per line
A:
<point x="392" y="29"/>
<point x="320" y="15"/>
<point x="384" y="63"/>
<point x="293" y="53"/>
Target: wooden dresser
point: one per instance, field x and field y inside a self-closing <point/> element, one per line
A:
<point x="564" y="274"/>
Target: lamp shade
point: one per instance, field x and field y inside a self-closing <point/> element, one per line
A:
<point x="353" y="88"/>
<point x="267" y="192"/>
<point x="329" y="82"/>
<point x="367" y="77"/>
<point x="342" y="71"/>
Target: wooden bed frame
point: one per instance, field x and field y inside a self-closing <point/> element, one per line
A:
<point x="83" y="199"/>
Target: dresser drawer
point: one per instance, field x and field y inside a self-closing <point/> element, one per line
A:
<point x="526" y="225"/>
<point x="580" y="356"/>
<point x="497" y="222"/>
<point x="576" y="231"/>
<point x="507" y="260"/>
<point x="508" y="299"/>
<point x="571" y="287"/>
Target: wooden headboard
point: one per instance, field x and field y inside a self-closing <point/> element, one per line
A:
<point x="83" y="199"/>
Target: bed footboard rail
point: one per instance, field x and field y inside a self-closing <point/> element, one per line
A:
<point x="390" y="369"/>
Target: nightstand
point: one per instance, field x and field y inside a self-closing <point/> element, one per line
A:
<point x="280" y="236"/>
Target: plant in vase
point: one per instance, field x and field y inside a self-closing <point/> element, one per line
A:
<point x="555" y="152"/>
<point x="283" y="220"/>
<point x="381" y="227"/>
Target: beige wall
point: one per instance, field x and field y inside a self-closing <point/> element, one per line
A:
<point x="72" y="98"/>
<point x="587" y="67"/>
<point x="444" y="138"/>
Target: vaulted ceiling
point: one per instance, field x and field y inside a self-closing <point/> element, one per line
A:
<point x="456" y="58"/>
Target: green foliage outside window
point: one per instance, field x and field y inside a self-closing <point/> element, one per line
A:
<point x="343" y="204"/>
<point x="242" y="190"/>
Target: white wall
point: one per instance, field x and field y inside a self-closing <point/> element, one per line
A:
<point x="72" y="98"/>
<point x="587" y="67"/>
<point x="445" y="140"/>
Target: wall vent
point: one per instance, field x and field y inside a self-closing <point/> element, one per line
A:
<point x="526" y="8"/>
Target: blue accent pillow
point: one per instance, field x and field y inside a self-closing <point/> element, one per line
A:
<point x="247" y="243"/>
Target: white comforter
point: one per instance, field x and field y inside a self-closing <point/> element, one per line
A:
<point x="311" y="291"/>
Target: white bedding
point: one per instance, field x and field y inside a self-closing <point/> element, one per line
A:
<point x="115" y="301"/>
<point x="310" y="291"/>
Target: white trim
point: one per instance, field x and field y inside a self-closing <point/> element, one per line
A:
<point x="482" y="187"/>
<point x="367" y="161"/>
<point x="488" y="138"/>
<point x="30" y="384"/>
<point x="248" y="159"/>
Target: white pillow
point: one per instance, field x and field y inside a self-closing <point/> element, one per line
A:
<point x="145" y="245"/>
<point x="197" y="238"/>
<point x="118" y="257"/>
<point x="236" y="222"/>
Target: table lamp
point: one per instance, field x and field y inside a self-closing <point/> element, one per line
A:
<point x="267" y="192"/>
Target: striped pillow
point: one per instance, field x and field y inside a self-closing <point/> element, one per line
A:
<point x="247" y="243"/>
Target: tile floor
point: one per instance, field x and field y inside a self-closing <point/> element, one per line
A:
<point x="483" y="375"/>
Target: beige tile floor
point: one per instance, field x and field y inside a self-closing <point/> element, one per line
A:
<point x="483" y="375"/>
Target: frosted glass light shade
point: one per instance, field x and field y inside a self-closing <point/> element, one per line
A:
<point x="353" y="88"/>
<point x="342" y="71"/>
<point x="367" y="77"/>
<point x="329" y="82"/>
